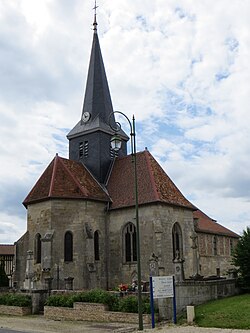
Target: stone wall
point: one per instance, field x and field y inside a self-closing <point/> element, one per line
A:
<point x="14" y="310"/>
<point x="156" y="223"/>
<point x="215" y="261"/>
<point x="195" y="293"/>
<point x="22" y="247"/>
<point x="51" y="219"/>
<point x="91" y="312"/>
<point x="198" y="292"/>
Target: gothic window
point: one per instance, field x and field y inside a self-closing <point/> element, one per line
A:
<point x="38" y="249"/>
<point x="215" y="245"/>
<point x="80" y="149"/>
<point x="177" y="241"/>
<point x="96" y="245"/>
<point x="130" y="242"/>
<point x="68" y="246"/>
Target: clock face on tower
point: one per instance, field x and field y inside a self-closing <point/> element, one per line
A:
<point x="85" y="116"/>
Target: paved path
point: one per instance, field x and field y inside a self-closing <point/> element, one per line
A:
<point x="38" y="324"/>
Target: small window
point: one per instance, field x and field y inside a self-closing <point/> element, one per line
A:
<point x="68" y="246"/>
<point x="231" y="246"/>
<point x="96" y="245"/>
<point x="130" y="243"/>
<point x="215" y="245"/>
<point x="80" y="149"/>
<point x="86" y="148"/>
<point x="38" y="249"/>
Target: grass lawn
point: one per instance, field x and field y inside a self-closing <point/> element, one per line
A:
<point x="231" y="312"/>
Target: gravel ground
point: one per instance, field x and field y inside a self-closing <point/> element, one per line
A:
<point x="38" y="324"/>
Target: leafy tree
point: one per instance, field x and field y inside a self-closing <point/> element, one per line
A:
<point x="241" y="258"/>
<point x="4" y="281"/>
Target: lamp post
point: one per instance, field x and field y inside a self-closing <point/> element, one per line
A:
<point x="116" y="146"/>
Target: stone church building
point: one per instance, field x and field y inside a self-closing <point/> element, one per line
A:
<point x="81" y="230"/>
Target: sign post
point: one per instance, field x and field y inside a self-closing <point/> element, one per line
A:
<point x="162" y="287"/>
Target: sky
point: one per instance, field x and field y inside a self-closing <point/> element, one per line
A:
<point x="180" y="66"/>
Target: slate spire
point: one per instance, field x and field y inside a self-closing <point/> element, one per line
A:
<point x="93" y="131"/>
<point x="97" y="100"/>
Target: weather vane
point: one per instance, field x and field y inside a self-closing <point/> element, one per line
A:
<point x="95" y="22"/>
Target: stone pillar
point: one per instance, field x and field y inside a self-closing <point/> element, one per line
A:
<point x="196" y="263"/>
<point x="69" y="283"/>
<point x="153" y="265"/>
<point x="48" y="283"/>
<point x="178" y="270"/>
<point x="46" y="251"/>
<point x="29" y="272"/>
<point x="90" y="259"/>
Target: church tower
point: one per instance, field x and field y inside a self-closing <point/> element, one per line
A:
<point x="89" y="140"/>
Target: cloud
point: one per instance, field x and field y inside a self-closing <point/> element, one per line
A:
<point x="182" y="69"/>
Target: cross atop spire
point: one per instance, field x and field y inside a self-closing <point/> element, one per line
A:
<point x="95" y="21"/>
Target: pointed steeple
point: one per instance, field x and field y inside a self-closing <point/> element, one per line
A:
<point x="97" y="100"/>
<point x="89" y="140"/>
<point x="97" y="104"/>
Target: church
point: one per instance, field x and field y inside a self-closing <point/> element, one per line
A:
<point x="81" y="229"/>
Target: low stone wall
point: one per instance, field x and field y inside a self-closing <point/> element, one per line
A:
<point x="14" y="310"/>
<point x="198" y="292"/>
<point x="91" y="312"/>
<point x="193" y="292"/>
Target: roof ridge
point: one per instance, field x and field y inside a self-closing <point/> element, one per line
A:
<point x="36" y="183"/>
<point x="84" y="192"/>
<point x="152" y="179"/>
<point x="53" y="174"/>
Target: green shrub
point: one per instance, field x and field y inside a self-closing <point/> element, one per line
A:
<point x="66" y="300"/>
<point x="114" y="302"/>
<point x="92" y="296"/>
<point x="128" y="304"/>
<point x="15" y="300"/>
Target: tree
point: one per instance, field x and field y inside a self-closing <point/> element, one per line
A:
<point x="241" y="258"/>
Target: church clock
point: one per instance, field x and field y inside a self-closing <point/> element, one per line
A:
<point x="85" y="116"/>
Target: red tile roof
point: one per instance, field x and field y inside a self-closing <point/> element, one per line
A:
<point x="154" y="185"/>
<point x="207" y="225"/>
<point x="7" y="249"/>
<point x="67" y="179"/>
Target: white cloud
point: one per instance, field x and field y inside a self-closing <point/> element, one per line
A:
<point x="181" y="67"/>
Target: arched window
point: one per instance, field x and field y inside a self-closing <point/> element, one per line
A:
<point x="38" y="249"/>
<point x="129" y="235"/>
<point x="68" y="246"/>
<point x="96" y="245"/>
<point x="177" y="241"/>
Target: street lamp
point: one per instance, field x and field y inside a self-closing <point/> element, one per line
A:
<point x="116" y="143"/>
